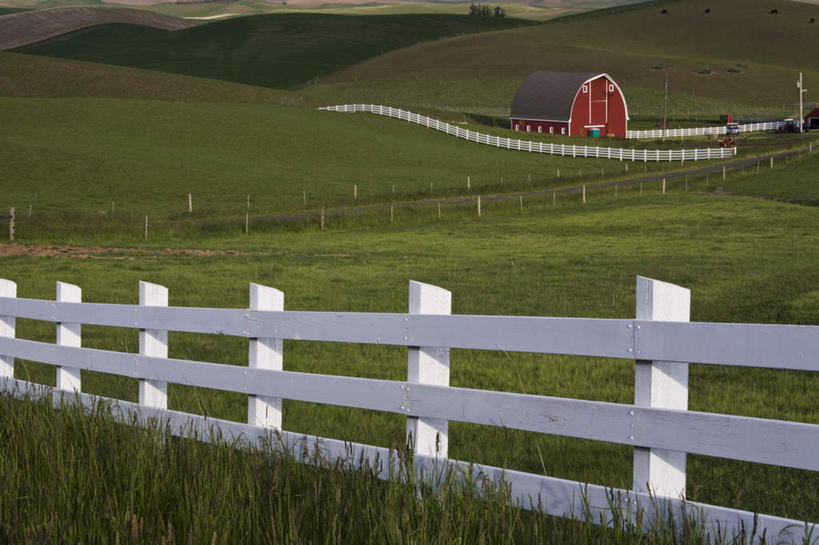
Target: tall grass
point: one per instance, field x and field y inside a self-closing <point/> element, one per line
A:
<point x="68" y="477"/>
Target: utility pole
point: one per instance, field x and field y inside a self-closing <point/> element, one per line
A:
<point x="799" y="86"/>
<point x="665" y="104"/>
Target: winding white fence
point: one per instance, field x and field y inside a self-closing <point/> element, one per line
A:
<point x="658" y="424"/>
<point x="702" y="131"/>
<point x="621" y="154"/>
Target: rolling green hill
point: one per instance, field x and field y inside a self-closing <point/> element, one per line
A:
<point x="739" y="52"/>
<point x="279" y="51"/>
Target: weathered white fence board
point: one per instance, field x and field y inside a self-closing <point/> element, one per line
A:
<point x="426" y="398"/>
<point x="753" y="345"/>
<point x="7" y="327"/>
<point x="69" y="334"/>
<point x="749" y="345"/>
<point x="567" y="150"/>
<point x="265" y="353"/>
<point x="789" y="444"/>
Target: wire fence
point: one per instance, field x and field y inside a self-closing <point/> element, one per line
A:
<point x="564" y="150"/>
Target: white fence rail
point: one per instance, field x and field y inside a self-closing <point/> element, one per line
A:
<point x="658" y="425"/>
<point x="702" y="131"/>
<point x="621" y="154"/>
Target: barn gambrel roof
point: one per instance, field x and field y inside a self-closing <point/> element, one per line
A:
<point x="549" y="96"/>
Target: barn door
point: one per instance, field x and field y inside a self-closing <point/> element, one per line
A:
<point x="599" y="103"/>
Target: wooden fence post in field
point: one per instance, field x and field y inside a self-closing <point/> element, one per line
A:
<point x="322" y="218"/>
<point x="771" y="161"/>
<point x="641" y="188"/>
<point x="662" y="385"/>
<point x="7" y="323"/>
<point x="153" y="342"/>
<point x="468" y="184"/>
<point x="584" y="194"/>
<point x="247" y="222"/>
<point x="355" y="191"/>
<point x="392" y="213"/>
<point x="68" y="334"/>
<point x="521" y="203"/>
<point x="248" y="202"/>
<point x="558" y="174"/>
<point x="428" y="365"/>
<point x="757" y="167"/>
<point x="112" y="207"/>
<point x="265" y="353"/>
<point x="304" y="197"/>
<point x="554" y="199"/>
<point x="29" y="210"/>
<point x="626" y="167"/>
<point x="479" y="206"/>
<point x="190" y="203"/>
<point x="11" y="224"/>
<point x="663" y="186"/>
<point x="146" y="226"/>
<point x="723" y="172"/>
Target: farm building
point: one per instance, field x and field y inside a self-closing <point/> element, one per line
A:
<point x="812" y="120"/>
<point x="570" y="103"/>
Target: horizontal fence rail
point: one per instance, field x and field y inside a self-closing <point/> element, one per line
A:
<point x="621" y="154"/>
<point x="704" y="131"/>
<point x="662" y="343"/>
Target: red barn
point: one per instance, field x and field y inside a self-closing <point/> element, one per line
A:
<point x="571" y="103"/>
<point x="812" y="120"/>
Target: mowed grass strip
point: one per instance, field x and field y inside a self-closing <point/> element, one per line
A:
<point x="279" y="50"/>
<point x="572" y="260"/>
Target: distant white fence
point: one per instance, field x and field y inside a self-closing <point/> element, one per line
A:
<point x="621" y="154"/>
<point x="702" y="131"/>
<point x="658" y="424"/>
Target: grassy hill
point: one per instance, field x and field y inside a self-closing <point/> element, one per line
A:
<point x="27" y="27"/>
<point x="277" y="51"/>
<point x="78" y="155"/>
<point x="739" y="52"/>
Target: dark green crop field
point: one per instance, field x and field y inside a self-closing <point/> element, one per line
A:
<point x="280" y="51"/>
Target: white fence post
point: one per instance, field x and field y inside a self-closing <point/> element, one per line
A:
<point x="69" y="334"/>
<point x="153" y="342"/>
<point x="7" y="289"/>
<point x="428" y="365"/>
<point x="265" y="353"/>
<point x="663" y="385"/>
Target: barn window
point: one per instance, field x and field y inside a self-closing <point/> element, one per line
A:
<point x="551" y="130"/>
<point x="562" y="130"/>
<point x="539" y="128"/>
<point x="517" y="127"/>
<point x="611" y="88"/>
<point x="585" y="88"/>
<point x="528" y="128"/>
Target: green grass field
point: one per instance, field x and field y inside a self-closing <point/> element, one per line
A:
<point x="70" y="159"/>
<point x="279" y="51"/>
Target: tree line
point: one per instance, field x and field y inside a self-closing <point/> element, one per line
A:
<point x="483" y="10"/>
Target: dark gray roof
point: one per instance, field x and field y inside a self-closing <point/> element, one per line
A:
<point x="548" y="95"/>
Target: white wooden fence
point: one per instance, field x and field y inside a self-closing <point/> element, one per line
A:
<point x="702" y="131"/>
<point x="621" y="154"/>
<point x="658" y="425"/>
